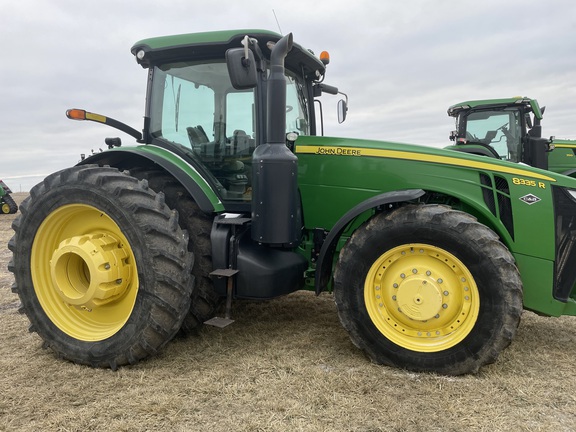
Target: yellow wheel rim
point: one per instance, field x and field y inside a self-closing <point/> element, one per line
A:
<point x="421" y="297"/>
<point x="84" y="272"/>
<point x="5" y="208"/>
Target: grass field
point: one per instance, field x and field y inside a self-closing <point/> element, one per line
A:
<point x="284" y="365"/>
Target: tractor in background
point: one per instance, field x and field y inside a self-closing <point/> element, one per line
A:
<point x="7" y="203"/>
<point x="510" y="129"/>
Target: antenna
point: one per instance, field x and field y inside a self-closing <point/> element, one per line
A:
<point x="277" y="23"/>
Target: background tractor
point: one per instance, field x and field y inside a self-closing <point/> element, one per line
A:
<point x="7" y="203"/>
<point x="231" y="193"/>
<point x="510" y="129"/>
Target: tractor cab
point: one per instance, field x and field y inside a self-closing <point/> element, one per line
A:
<point x="209" y="101"/>
<point x="194" y="106"/>
<point x="506" y="129"/>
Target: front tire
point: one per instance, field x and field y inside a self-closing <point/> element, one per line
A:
<point x="101" y="266"/>
<point x="428" y="288"/>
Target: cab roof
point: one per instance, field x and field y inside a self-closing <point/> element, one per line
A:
<point x="211" y="45"/>
<point x="455" y="109"/>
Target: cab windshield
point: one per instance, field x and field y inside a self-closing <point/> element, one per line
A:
<point x="194" y="105"/>
<point x="499" y="129"/>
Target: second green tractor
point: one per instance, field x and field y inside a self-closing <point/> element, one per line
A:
<point x="510" y="129"/>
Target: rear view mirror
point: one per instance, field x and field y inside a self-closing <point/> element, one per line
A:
<point x="342" y="110"/>
<point x="241" y="68"/>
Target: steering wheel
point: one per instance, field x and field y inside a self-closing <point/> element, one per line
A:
<point x="473" y="140"/>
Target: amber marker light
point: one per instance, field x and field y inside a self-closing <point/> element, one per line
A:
<point x="76" y="114"/>
<point x="325" y="57"/>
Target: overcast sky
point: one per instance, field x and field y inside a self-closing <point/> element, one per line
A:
<point x="402" y="63"/>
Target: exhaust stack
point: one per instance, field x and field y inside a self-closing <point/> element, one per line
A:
<point x="275" y="198"/>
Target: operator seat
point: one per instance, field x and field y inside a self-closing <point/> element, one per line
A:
<point x="241" y="143"/>
<point x="208" y="151"/>
<point x="197" y="135"/>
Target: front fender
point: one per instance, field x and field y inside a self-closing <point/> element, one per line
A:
<point x="183" y="171"/>
<point x="325" y="259"/>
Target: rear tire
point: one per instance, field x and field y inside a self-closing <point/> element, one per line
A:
<point x="198" y="225"/>
<point x="428" y="288"/>
<point x="101" y="266"/>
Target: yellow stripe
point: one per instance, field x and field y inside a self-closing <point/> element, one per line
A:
<point x="396" y="154"/>
<point x="95" y="117"/>
<point x="565" y="145"/>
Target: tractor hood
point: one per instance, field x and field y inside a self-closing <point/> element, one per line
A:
<point x="346" y="147"/>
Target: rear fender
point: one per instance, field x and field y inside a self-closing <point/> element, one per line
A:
<point x="190" y="177"/>
<point x="325" y="259"/>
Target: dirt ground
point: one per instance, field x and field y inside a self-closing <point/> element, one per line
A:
<point x="284" y="365"/>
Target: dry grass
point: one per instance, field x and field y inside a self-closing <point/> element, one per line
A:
<point x="285" y="365"/>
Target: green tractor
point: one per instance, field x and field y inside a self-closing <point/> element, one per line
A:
<point x="231" y="192"/>
<point x="510" y="129"/>
<point x="7" y="203"/>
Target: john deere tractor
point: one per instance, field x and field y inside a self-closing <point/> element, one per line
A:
<point x="230" y="192"/>
<point x="7" y="203"/>
<point x="510" y="129"/>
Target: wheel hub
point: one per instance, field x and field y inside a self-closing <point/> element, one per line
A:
<point x="419" y="298"/>
<point x="90" y="270"/>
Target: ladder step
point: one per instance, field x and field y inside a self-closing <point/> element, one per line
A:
<point x="233" y="221"/>
<point x="226" y="321"/>
<point x="219" y="322"/>
<point x="224" y="272"/>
